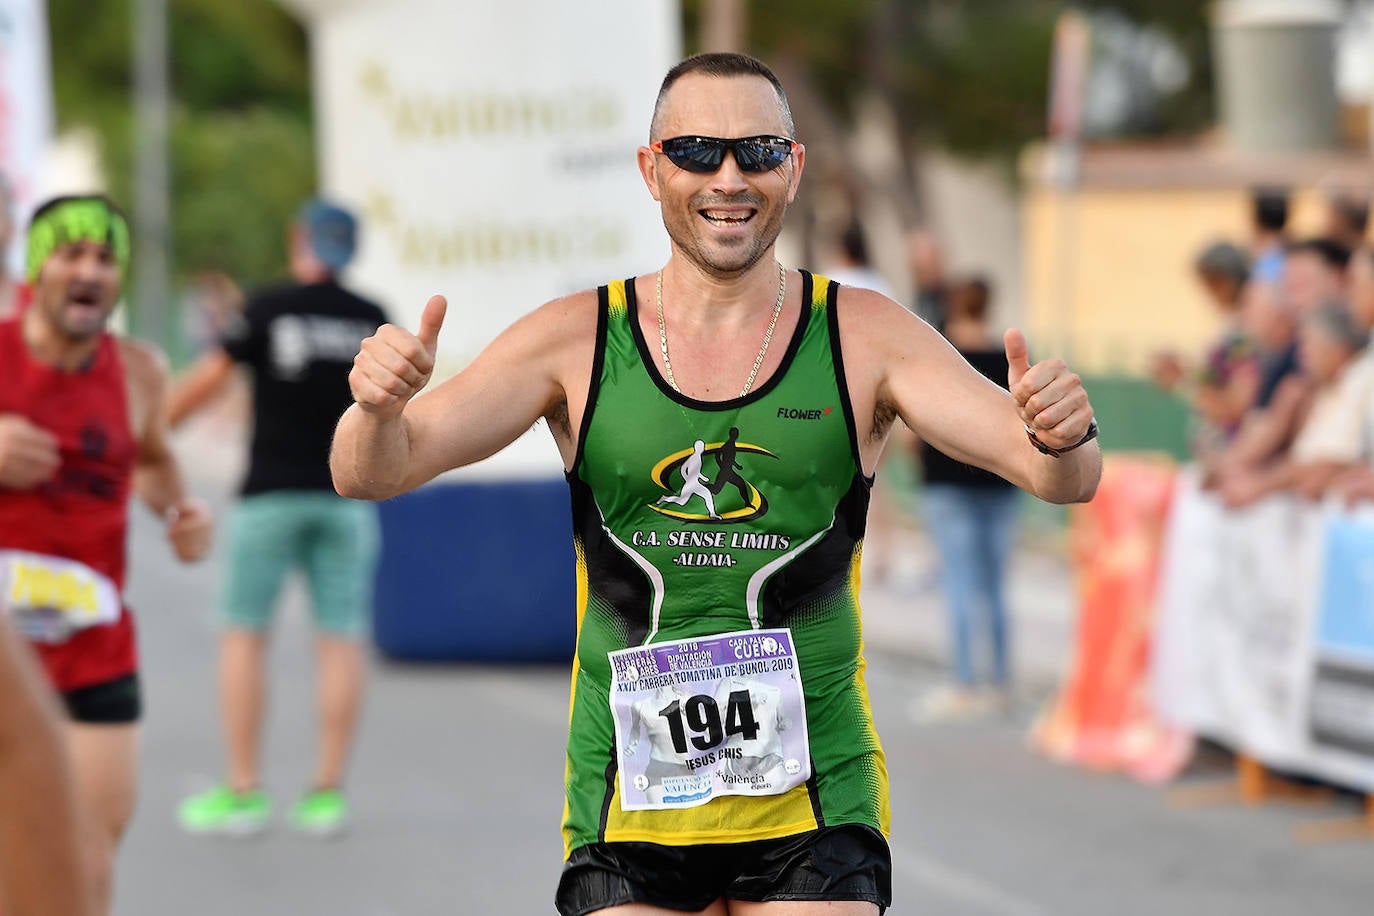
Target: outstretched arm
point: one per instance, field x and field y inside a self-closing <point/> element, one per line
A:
<point x="1052" y="406"/>
<point x="390" y="441"/>
<point x="1268" y="431"/>
<point x="206" y="378"/>
<point x="371" y="456"/>
<point x="898" y="366"/>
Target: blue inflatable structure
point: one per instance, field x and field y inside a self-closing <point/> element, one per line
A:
<point x="477" y="572"/>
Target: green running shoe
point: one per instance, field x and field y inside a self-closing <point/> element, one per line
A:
<point x="321" y="813"/>
<point x="222" y="811"/>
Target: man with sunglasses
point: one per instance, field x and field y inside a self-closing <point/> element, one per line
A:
<point x="759" y="589"/>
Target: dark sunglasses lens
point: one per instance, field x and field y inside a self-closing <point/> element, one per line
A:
<point x="694" y="154"/>
<point x="760" y="155"/>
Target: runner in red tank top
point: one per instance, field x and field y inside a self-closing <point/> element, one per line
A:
<point x="82" y="427"/>
<point x="80" y="513"/>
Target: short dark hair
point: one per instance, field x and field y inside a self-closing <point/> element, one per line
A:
<point x="722" y="63"/>
<point x="1332" y="253"/>
<point x="854" y="245"/>
<point x="1271" y="208"/>
<point x="1353" y="211"/>
<point x="970" y="298"/>
<point x="1223" y="260"/>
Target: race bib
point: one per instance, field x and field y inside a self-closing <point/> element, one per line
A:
<point x="699" y="718"/>
<point x="50" y="598"/>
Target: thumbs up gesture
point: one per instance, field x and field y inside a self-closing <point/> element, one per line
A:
<point x="394" y="364"/>
<point x="1050" y="399"/>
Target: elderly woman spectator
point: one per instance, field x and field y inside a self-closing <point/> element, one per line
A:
<point x="1330" y="440"/>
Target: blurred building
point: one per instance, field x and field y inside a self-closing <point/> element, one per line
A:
<point x="1108" y="264"/>
<point x="1106" y="251"/>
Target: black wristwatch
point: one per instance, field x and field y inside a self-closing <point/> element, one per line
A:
<point x="1044" y="449"/>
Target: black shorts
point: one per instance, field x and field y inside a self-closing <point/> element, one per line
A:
<point x="115" y="702"/>
<point x="847" y="862"/>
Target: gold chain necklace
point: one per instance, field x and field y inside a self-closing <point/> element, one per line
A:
<point x="763" y="350"/>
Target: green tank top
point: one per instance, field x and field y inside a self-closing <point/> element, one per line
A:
<point x="696" y="518"/>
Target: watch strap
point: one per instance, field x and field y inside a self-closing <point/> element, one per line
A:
<point x="1053" y="452"/>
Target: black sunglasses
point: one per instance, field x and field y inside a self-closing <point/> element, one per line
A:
<point x="704" y="155"/>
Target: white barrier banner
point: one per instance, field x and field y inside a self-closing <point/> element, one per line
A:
<point x="1190" y="589"/>
<point x="1261" y="642"/>
<point x="1265" y="631"/>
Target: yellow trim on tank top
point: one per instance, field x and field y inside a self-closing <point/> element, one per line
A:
<point x="582" y="592"/>
<point x="820" y="288"/>
<point x="885" y="791"/>
<point x="617" y="300"/>
<point x="789" y="814"/>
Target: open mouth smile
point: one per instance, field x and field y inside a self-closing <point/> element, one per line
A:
<point x="85" y="301"/>
<point x="728" y="218"/>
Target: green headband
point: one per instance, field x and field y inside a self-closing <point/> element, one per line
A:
<point x="80" y="219"/>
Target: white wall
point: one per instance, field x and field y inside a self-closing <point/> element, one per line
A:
<point x="976" y="214"/>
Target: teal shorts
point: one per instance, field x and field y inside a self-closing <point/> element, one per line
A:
<point x="332" y="540"/>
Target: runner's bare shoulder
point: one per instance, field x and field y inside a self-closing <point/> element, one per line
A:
<point x="146" y="372"/>
<point x="143" y="359"/>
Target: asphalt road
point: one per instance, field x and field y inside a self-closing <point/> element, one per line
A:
<point x="457" y="794"/>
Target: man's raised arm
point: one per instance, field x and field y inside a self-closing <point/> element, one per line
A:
<point x="1040" y="437"/>
<point x="1058" y="418"/>
<point x="370" y="457"/>
<point x="387" y="443"/>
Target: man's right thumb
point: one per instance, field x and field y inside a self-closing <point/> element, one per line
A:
<point x="431" y="321"/>
<point x="1018" y="355"/>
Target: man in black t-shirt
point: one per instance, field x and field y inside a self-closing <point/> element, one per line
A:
<point x="298" y="343"/>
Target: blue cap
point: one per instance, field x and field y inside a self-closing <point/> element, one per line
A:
<point x="333" y="232"/>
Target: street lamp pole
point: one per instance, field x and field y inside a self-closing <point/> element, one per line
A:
<point x="152" y="177"/>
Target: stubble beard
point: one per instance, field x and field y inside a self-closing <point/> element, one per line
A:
<point x="722" y="262"/>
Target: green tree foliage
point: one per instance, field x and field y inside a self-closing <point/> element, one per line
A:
<point x="241" y="141"/>
<point x="1186" y="22"/>
<point x="976" y="84"/>
<point x="968" y="75"/>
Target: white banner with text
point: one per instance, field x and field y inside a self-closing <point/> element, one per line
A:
<point x="1265" y="631"/>
<point x="490" y="149"/>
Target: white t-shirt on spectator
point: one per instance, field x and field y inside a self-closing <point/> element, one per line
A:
<point x="1339" y="425"/>
<point x="863" y="277"/>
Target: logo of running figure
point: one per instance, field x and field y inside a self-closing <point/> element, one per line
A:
<point x="695" y="488"/>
